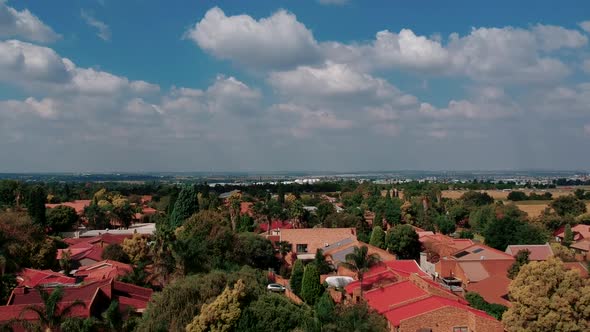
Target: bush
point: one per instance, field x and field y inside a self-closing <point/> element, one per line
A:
<point x="115" y="252"/>
<point x="311" y="289"/>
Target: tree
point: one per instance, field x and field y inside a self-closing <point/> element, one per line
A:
<point x="324" y="210"/>
<point x="522" y="258"/>
<point x="61" y="219"/>
<point x="35" y="202"/>
<point x="254" y="250"/>
<point x="357" y="317"/>
<point x="50" y="315"/>
<point x="403" y="241"/>
<point x="96" y="217"/>
<point x="137" y="248"/>
<point x="122" y="212"/>
<point x="568" y="236"/>
<point x="296" y="212"/>
<point x="393" y="211"/>
<point x="444" y="224"/>
<point x="481" y="217"/>
<point x="547" y="297"/>
<point x="564" y="253"/>
<point x="246" y="223"/>
<point x="311" y="289"/>
<point x="234" y="209"/>
<point x="297" y="277"/>
<point x="272" y="313"/>
<point x="378" y="237"/>
<point x="511" y="227"/>
<point x="222" y="314"/>
<point x="475" y="198"/>
<point x="324" y="308"/>
<point x="493" y="309"/>
<point x="568" y="205"/>
<point x="516" y="196"/>
<point x="360" y="261"/>
<point x="321" y="263"/>
<point x="185" y="206"/>
<point x="7" y="284"/>
<point x="115" y="252"/>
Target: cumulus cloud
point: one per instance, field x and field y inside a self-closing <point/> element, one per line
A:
<point x="585" y="26"/>
<point x="278" y="41"/>
<point x="23" y="24"/>
<point x="103" y="30"/>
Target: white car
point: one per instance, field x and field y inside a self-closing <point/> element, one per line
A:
<point x="276" y="288"/>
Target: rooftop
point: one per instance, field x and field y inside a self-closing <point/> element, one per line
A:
<point x="539" y="252"/>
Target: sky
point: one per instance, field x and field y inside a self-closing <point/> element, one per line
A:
<point x="293" y="85"/>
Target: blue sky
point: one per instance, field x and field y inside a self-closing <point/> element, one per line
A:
<point x="144" y="85"/>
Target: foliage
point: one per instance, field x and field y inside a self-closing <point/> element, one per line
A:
<point x="511" y="227"/>
<point x="378" y="237"/>
<point x="324" y="210"/>
<point x="246" y="223"/>
<point x="96" y="217"/>
<point x="311" y="288"/>
<point x="122" y="212"/>
<point x="356" y="317"/>
<point x="403" y="241"/>
<point x="564" y="253"/>
<point x="477" y="301"/>
<point x="297" y="277"/>
<point x="254" y="250"/>
<point x="20" y="242"/>
<point x="568" y="236"/>
<point x="568" y="205"/>
<point x="320" y="262"/>
<point x="44" y="254"/>
<point x="547" y="297"/>
<point x="273" y="313"/>
<point x="466" y="234"/>
<point x="475" y="199"/>
<point x="522" y="258"/>
<point x="61" y="219"/>
<point x="360" y="261"/>
<point x="138" y="276"/>
<point x="324" y="308"/>
<point x="445" y="225"/>
<point x="222" y="314"/>
<point x="178" y="303"/>
<point x="392" y="211"/>
<point x="481" y="217"/>
<point x="137" y="248"/>
<point x="115" y="252"/>
<point x="35" y="202"/>
<point x="185" y="206"/>
<point x="7" y="284"/>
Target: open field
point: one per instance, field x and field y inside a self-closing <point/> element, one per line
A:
<point x="502" y="195"/>
<point x="534" y="208"/>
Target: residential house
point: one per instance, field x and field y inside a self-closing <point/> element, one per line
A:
<point x="410" y="301"/>
<point x="582" y="249"/>
<point x="88" y="251"/>
<point x="335" y="253"/>
<point x="580" y="232"/>
<point x="32" y="278"/>
<point x="306" y="241"/>
<point x="102" y="270"/>
<point x="96" y="297"/>
<point x="538" y="252"/>
<point x="77" y="205"/>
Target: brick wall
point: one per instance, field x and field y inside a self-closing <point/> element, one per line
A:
<point x="445" y="319"/>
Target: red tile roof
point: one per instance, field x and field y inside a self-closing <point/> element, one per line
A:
<point x="103" y="270"/>
<point x="580" y="231"/>
<point x="77" y="205"/>
<point x="246" y="208"/>
<point x="539" y="252"/>
<point x="148" y="211"/>
<point x="577" y="266"/>
<point x="32" y="278"/>
<point x="275" y="224"/>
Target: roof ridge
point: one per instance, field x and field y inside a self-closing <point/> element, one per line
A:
<point x="410" y="301"/>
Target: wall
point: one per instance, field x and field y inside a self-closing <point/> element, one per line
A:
<point x="444" y="319"/>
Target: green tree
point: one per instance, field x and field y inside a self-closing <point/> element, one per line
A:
<point x="517" y="196"/>
<point x="7" y="284"/>
<point x="35" y="202"/>
<point x="568" y="205"/>
<point x="185" y="206"/>
<point x="357" y="317"/>
<point x="511" y="227"/>
<point x="311" y="289"/>
<point x="546" y="297"/>
<point x="324" y="210"/>
<point x="378" y="237"/>
<point x="61" y="219"/>
<point x="481" y="217"/>
<point x="475" y="198"/>
<point x="297" y="277"/>
<point x="254" y="250"/>
<point x="122" y="212"/>
<point x="444" y="224"/>
<point x="493" y="309"/>
<point x="273" y="313"/>
<point x="115" y="252"/>
<point x="393" y="211"/>
<point x="320" y="262"/>
<point x="96" y="217"/>
<point x="403" y="241"/>
<point x="246" y="223"/>
<point x="296" y="212"/>
<point x="568" y="236"/>
<point x="324" y="308"/>
<point x="50" y="315"/>
<point x="222" y="314"/>
<point x="137" y="248"/>
<point x="522" y="258"/>
<point x="360" y="261"/>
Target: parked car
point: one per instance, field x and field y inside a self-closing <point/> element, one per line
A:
<point x="276" y="288"/>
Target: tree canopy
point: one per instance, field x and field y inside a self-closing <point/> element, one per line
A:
<point x="403" y="241"/>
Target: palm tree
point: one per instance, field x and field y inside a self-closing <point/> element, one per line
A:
<point x="50" y="315"/>
<point x="360" y="261"/>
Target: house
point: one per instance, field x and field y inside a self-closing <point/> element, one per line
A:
<point x="410" y="301"/>
<point x="335" y="253"/>
<point x="78" y="205"/>
<point x="582" y="249"/>
<point x="577" y="266"/>
<point x="88" y="251"/>
<point x="102" y="270"/>
<point x="462" y="265"/>
<point x="96" y="297"/>
<point x="275" y="225"/>
<point x="580" y="232"/>
<point x="306" y="241"/>
<point x="32" y="278"/>
<point x="538" y="252"/>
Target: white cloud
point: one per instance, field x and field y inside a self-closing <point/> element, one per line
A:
<point x="551" y="37"/>
<point x="278" y="41"/>
<point x="104" y="32"/>
<point x="585" y="26"/>
<point x="23" y="24"/>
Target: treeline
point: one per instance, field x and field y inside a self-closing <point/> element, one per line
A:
<point x="516" y="196"/>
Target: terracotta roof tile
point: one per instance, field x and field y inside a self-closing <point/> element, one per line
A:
<point x="539" y="252"/>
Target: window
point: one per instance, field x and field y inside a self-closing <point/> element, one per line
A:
<point x="477" y="250"/>
<point x="301" y="248"/>
<point x="461" y="329"/>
